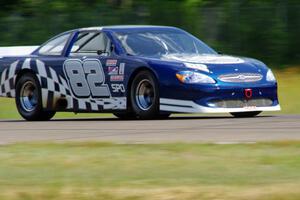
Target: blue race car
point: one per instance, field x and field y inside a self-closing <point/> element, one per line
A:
<point x="142" y="72"/>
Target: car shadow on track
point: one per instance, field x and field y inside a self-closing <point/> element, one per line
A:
<point x="116" y="119"/>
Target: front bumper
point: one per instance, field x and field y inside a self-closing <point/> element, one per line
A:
<point x="220" y="98"/>
<point x="184" y="106"/>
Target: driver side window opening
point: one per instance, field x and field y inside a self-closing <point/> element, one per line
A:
<point x="91" y="44"/>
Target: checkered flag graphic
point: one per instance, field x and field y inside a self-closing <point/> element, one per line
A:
<point x="55" y="87"/>
<point x="7" y="88"/>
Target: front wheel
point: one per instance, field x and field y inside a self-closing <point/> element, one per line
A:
<point x="29" y="100"/>
<point x="144" y="95"/>
<point x="245" y="114"/>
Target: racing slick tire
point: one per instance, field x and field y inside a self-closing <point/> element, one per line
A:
<point x="144" y="95"/>
<point x="245" y="114"/>
<point x="29" y="99"/>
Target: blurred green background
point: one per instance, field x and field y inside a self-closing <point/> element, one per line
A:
<point x="267" y="30"/>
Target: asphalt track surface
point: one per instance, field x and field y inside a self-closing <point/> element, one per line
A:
<point x="176" y="129"/>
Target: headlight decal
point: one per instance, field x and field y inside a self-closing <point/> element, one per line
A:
<point x="194" y="77"/>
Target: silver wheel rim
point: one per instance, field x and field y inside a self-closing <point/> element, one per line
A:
<point x="28" y="96"/>
<point x="144" y="95"/>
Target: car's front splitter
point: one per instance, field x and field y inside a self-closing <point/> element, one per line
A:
<point x="184" y="106"/>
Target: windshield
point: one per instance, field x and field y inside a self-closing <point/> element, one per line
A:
<point x="159" y="43"/>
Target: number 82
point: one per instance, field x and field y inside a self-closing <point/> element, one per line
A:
<point x="86" y="78"/>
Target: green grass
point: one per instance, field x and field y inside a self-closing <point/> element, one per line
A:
<point x="289" y="96"/>
<point x="150" y="171"/>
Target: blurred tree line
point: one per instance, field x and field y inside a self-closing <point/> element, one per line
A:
<point x="264" y="29"/>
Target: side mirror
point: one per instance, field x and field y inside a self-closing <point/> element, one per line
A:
<point x="101" y="52"/>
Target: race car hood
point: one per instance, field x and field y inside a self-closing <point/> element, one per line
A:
<point x="203" y="58"/>
<point x="218" y="64"/>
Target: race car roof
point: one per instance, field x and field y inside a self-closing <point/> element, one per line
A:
<point x="126" y="27"/>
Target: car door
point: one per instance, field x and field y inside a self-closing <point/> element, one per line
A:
<point x="89" y="68"/>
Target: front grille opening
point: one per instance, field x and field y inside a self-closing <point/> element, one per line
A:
<point x="240" y="77"/>
<point x="237" y="103"/>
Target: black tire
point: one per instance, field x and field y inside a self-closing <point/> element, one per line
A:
<point x="125" y="115"/>
<point x="146" y="81"/>
<point x="245" y="114"/>
<point x="31" y="109"/>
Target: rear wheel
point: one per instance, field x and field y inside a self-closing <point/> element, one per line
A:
<point x="245" y="114"/>
<point x="29" y="100"/>
<point x="144" y="95"/>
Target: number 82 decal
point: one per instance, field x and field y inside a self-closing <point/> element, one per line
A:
<point x="86" y="78"/>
